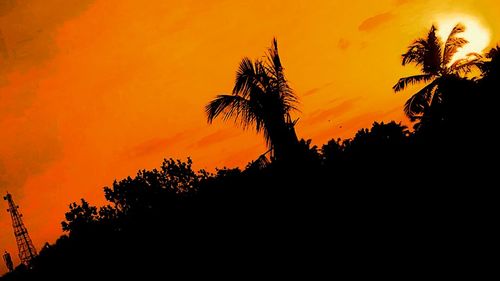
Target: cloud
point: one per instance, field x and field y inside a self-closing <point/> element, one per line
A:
<point x="27" y="40"/>
<point x="316" y="90"/>
<point x="344" y="44"/>
<point x="311" y="92"/>
<point x="219" y="136"/>
<point x="30" y="136"/>
<point x="20" y="156"/>
<point x="347" y="128"/>
<point x="6" y="6"/>
<point x="249" y="153"/>
<point x="155" y="145"/>
<point x="376" y="21"/>
<point x="324" y="115"/>
<point x="27" y="29"/>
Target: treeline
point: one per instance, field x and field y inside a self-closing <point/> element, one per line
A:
<point x="364" y="202"/>
<point x="389" y="202"/>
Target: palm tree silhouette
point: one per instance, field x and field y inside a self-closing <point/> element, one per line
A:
<point x="437" y="65"/>
<point x="261" y="97"/>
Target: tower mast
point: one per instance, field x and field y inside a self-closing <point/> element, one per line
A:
<point x="26" y="249"/>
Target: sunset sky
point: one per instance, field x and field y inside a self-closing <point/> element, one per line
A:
<point x="93" y="90"/>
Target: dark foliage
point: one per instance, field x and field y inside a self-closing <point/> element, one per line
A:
<point x="387" y="203"/>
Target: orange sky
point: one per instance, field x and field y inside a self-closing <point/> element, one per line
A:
<point x="93" y="90"/>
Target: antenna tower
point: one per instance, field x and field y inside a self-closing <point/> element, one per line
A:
<point x="26" y="249"/>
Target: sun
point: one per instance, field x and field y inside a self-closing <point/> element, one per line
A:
<point x="476" y="33"/>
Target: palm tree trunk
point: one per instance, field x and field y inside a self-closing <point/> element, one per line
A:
<point x="284" y="140"/>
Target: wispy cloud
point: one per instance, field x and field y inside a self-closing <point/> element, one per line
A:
<point x="155" y="145"/>
<point x="316" y="90"/>
<point x="326" y="114"/>
<point x="376" y="21"/>
<point x="27" y="41"/>
<point x="6" y="6"/>
<point x="347" y="128"/>
<point x="213" y="138"/>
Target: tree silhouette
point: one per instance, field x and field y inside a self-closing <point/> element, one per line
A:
<point x="437" y="65"/>
<point x="487" y="95"/>
<point x="261" y="97"/>
<point x="148" y="189"/>
<point x="383" y="142"/>
<point x="79" y="216"/>
<point x="491" y="69"/>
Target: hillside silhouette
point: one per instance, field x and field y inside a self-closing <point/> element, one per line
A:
<point x="391" y="201"/>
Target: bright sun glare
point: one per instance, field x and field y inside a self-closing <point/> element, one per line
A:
<point x="476" y="33"/>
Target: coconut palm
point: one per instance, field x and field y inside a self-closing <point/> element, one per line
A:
<point x="261" y="98"/>
<point x="436" y="62"/>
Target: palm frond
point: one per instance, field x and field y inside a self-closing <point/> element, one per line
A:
<point x="250" y="78"/>
<point x="229" y="106"/>
<point x="457" y="29"/>
<point x="465" y="65"/>
<point x="411" y="80"/>
<point x="432" y="55"/>
<point x="278" y="84"/>
<point x="260" y="163"/>
<point x="244" y="74"/>
<point x="274" y="56"/>
<point x="220" y="104"/>
<point x="452" y="48"/>
<point x="415" y="53"/>
<point x="416" y="106"/>
<point x="453" y="43"/>
<point x="245" y="112"/>
<point x="425" y="52"/>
